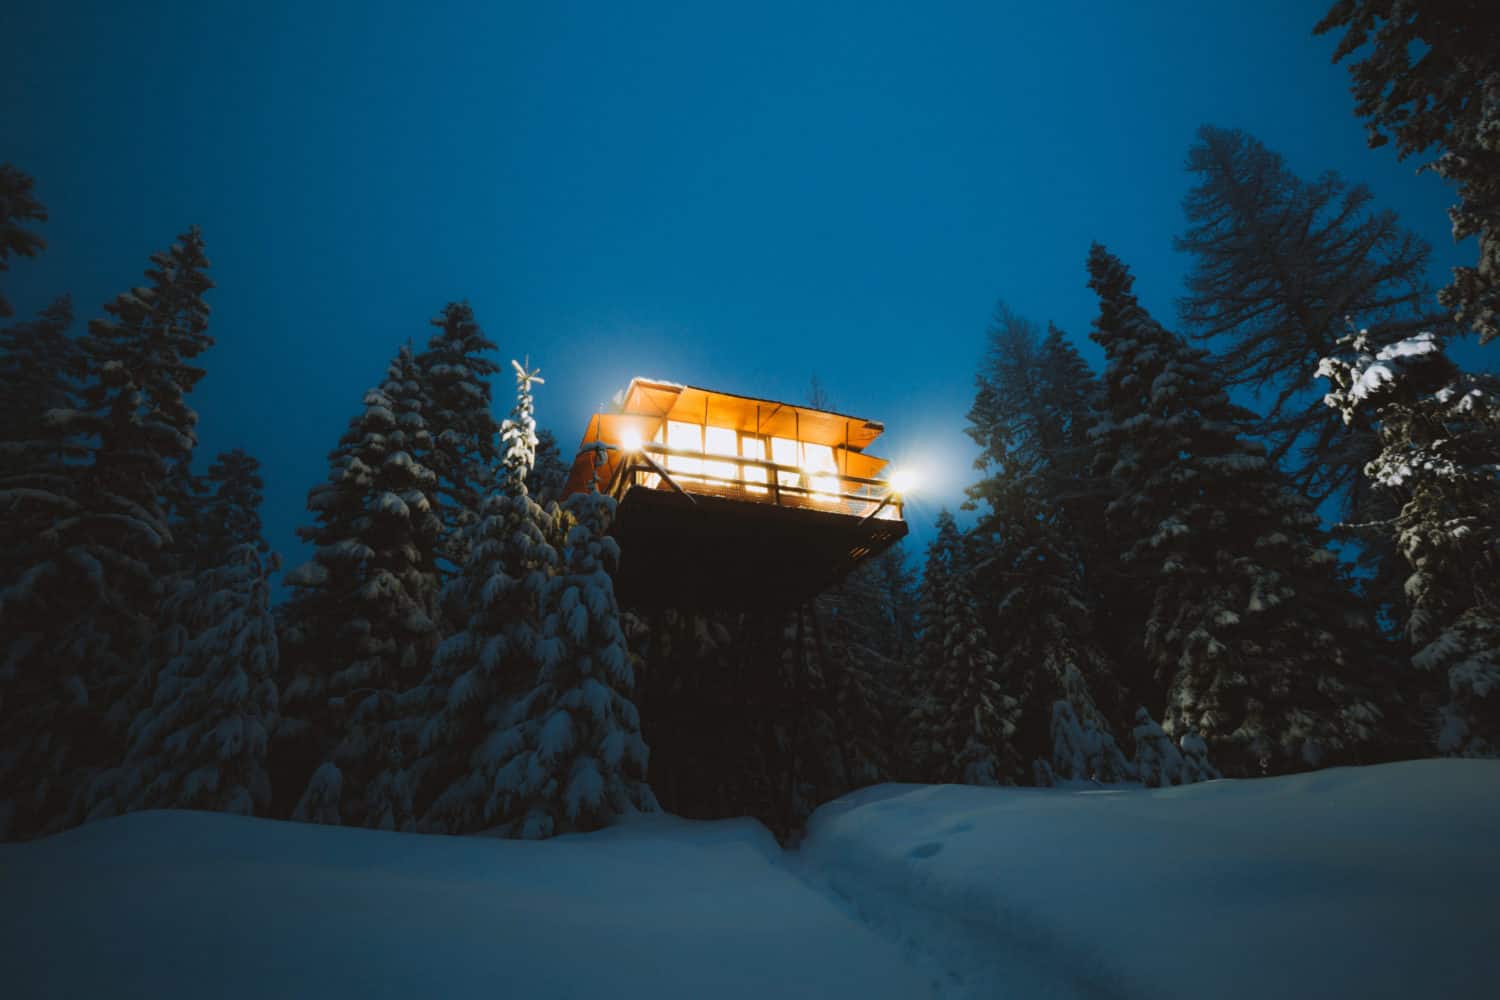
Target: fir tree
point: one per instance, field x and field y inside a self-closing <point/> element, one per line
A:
<point x="480" y="671"/>
<point x="575" y="757"/>
<point x="1440" y="461"/>
<point x="1430" y="80"/>
<point x="18" y="205"/>
<point x="1246" y="619"/>
<point x="965" y="722"/>
<point x="360" y="624"/>
<point x="456" y="377"/>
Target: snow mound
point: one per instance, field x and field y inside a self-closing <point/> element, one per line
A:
<point x="1353" y="882"/>
<point x="180" y="904"/>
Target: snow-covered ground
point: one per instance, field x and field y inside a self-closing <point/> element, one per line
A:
<point x="1359" y="882"/>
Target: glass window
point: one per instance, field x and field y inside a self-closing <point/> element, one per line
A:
<point x="684" y="437"/>
<point x="753" y="447"/>
<point x="822" y="471"/>
<point x="721" y="441"/>
<point x="784" y="451"/>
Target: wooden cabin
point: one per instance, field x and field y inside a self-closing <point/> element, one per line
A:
<point x="734" y="502"/>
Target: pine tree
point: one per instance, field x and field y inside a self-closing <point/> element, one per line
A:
<point x="360" y="624"/>
<point x="456" y="376"/>
<point x="965" y="722"/>
<point x="480" y="671"/>
<point x="1278" y="265"/>
<point x="39" y="370"/>
<point x="1440" y="435"/>
<point x="1247" y="621"/>
<point x="1030" y="549"/>
<point x="575" y="757"/>
<point x="1159" y="763"/>
<point x="85" y="605"/>
<point x="1430" y="80"/>
<point x="549" y="474"/>
<point x="18" y="205"/>
<point x="201" y="741"/>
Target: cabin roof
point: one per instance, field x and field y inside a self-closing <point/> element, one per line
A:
<point x="649" y="403"/>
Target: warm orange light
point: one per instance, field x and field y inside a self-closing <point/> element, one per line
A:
<point x="631" y="441"/>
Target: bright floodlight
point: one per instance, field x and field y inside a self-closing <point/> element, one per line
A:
<point x="903" y="480"/>
<point x="631" y="441"/>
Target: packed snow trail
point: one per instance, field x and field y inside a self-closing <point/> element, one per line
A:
<point x="1353" y="882"/>
<point x="180" y="904"/>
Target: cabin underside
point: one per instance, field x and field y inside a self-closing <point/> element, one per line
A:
<point x="708" y="552"/>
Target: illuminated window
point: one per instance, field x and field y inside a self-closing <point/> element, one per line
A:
<point x="684" y="437"/>
<point x="822" y="471"/>
<point x="721" y="441"/>
<point x="753" y="447"/>
<point x="784" y="451"/>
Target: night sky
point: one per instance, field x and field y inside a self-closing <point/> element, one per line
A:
<point x="737" y="196"/>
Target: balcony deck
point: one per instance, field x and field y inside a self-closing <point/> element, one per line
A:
<point x="771" y="537"/>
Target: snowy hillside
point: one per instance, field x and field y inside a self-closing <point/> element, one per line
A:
<point x="1359" y="882"/>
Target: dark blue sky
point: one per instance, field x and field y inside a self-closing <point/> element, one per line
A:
<point x="737" y="196"/>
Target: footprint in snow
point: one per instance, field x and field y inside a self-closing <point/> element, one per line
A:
<point x="922" y="851"/>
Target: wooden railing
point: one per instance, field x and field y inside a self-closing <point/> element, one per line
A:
<point x="783" y="486"/>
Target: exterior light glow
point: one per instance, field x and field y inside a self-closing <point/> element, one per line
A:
<point x="631" y="441"/>
<point x="903" y="480"/>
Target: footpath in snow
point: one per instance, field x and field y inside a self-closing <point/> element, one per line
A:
<point x="1353" y="882"/>
<point x="1371" y="882"/>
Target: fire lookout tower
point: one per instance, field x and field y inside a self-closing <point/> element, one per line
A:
<point x="729" y="502"/>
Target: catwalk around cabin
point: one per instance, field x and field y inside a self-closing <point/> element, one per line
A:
<point x="734" y="514"/>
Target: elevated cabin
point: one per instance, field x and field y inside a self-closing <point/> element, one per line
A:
<point x="733" y="502"/>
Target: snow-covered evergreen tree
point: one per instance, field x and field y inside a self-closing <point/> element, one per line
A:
<point x="360" y="623"/>
<point x="499" y="653"/>
<point x="1030" y="555"/>
<point x="1246" y="618"/>
<point x="1277" y="265"/>
<point x="575" y="757"/>
<point x="1440" y="459"/>
<point x="1430" y="80"/>
<point x="456" y="376"/>
<point x="965" y="722"/>
<point x="86" y="603"/>
<point x="549" y="475"/>
<point x="1160" y="763"/>
<point x="201" y="742"/>
<point x="18" y="206"/>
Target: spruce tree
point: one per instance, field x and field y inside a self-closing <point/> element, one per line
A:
<point x="480" y="671"/>
<point x="456" y="377"/>
<point x="360" y="623"/>
<point x="575" y="757"/>
<point x="965" y="722"/>
<point x="1440" y="434"/>
<point x="18" y="205"/>
<point x="1247" y="622"/>
<point x="1430" y="80"/>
